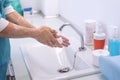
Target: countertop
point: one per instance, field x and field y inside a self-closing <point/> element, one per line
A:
<point x="21" y="72"/>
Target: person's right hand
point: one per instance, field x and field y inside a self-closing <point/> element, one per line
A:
<point x="45" y="35"/>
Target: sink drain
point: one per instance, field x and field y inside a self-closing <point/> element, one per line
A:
<point x="64" y="70"/>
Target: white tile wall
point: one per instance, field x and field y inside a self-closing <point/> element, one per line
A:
<point x="105" y="11"/>
<point x="76" y="11"/>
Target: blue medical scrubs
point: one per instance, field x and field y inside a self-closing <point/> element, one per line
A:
<point x="4" y="44"/>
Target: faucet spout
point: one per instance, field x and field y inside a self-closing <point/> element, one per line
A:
<point x="78" y="32"/>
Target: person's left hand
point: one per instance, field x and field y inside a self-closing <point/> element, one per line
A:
<point x="65" y="41"/>
<point x="49" y="36"/>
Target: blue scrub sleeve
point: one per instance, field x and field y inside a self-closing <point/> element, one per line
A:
<point x="3" y="70"/>
<point x="7" y="3"/>
<point x="0" y="16"/>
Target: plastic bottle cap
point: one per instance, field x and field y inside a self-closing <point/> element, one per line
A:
<point x="28" y="9"/>
<point x="115" y="32"/>
<point x="99" y="35"/>
<point x="98" y="29"/>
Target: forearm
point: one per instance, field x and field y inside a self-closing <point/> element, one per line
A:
<point x="43" y="34"/>
<point x="16" y="31"/>
<point x="18" y="19"/>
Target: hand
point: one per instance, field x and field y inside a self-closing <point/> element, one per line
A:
<point x="49" y="37"/>
<point x="65" y="41"/>
<point x="44" y="35"/>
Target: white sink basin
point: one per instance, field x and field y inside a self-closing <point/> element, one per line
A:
<point x="44" y="62"/>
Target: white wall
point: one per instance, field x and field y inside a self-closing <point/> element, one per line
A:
<point x="77" y="11"/>
<point x="30" y="3"/>
<point x="110" y="11"/>
<point x="106" y="11"/>
<point x="49" y="7"/>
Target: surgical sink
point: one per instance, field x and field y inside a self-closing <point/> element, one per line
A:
<point x="46" y="63"/>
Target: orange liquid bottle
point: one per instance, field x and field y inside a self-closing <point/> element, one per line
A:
<point x="99" y="44"/>
<point x="99" y="39"/>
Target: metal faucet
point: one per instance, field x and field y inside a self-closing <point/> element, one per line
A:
<point x="81" y="48"/>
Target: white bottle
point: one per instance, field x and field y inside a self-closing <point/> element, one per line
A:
<point x="27" y="12"/>
<point x="99" y="38"/>
<point x="89" y="30"/>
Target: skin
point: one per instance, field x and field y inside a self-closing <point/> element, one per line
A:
<point x="18" y="27"/>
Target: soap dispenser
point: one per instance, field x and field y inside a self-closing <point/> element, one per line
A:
<point x="99" y="38"/>
<point x="114" y="42"/>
